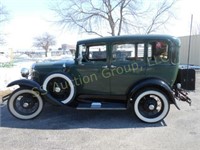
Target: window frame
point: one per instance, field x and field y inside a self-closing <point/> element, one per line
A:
<point x="86" y="55"/>
<point x="135" y="51"/>
<point x="96" y="59"/>
<point x="158" y="60"/>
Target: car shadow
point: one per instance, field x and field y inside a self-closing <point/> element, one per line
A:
<point x="53" y="117"/>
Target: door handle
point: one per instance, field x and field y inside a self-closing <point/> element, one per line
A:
<point x="112" y="66"/>
<point x="105" y="67"/>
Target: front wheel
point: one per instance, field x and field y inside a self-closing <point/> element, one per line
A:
<point x="25" y="104"/>
<point x="151" y="105"/>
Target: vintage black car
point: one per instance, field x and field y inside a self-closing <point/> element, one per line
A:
<point x="111" y="73"/>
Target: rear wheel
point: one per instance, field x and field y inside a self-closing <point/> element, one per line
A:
<point x="25" y="104"/>
<point x="151" y="105"/>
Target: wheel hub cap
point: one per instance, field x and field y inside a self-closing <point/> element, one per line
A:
<point x="57" y="89"/>
<point x="151" y="107"/>
<point x="25" y="105"/>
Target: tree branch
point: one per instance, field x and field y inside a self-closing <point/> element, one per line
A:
<point x="115" y="16"/>
<point x="164" y="8"/>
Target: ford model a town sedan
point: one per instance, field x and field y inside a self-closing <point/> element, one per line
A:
<point x="110" y="73"/>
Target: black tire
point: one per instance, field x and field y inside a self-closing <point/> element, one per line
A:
<point x="151" y="105"/>
<point x="60" y="87"/>
<point x="25" y="104"/>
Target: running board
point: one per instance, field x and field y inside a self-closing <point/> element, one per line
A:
<point x="101" y="106"/>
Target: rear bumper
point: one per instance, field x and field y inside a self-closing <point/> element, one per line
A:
<point x="182" y="95"/>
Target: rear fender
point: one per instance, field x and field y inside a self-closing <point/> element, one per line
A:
<point x="156" y="83"/>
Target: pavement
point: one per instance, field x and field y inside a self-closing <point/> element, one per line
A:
<point x="62" y="128"/>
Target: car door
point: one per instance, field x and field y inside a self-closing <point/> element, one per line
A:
<point x="89" y="77"/>
<point x="127" y="66"/>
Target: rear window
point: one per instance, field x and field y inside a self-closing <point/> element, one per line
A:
<point x="158" y="51"/>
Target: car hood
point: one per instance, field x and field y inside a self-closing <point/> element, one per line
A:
<point x="53" y="63"/>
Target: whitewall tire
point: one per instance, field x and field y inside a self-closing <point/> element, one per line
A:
<point x="151" y="105"/>
<point x="60" y="87"/>
<point x="25" y="104"/>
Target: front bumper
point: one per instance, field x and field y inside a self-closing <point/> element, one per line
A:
<point x="5" y="98"/>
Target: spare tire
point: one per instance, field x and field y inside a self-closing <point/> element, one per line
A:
<point x="60" y="86"/>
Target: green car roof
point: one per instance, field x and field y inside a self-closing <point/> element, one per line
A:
<point x="125" y="38"/>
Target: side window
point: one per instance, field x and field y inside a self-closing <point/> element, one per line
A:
<point x="140" y="51"/>
<point x="92" y="53"/>
<point x="175" y="55"/>
<point x="128" y="52"/>
<point x="82" y="50"/>
<point x="81" y="54"/>
<point x="97" y="53"/>
<point x="158" y="51"/>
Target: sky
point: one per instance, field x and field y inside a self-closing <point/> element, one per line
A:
<point x="31" y="18"/>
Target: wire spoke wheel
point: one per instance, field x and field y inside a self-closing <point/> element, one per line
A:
<point x="151" y="105"/>
<point x="60" y="87"/>
<point x="25" y="104"/>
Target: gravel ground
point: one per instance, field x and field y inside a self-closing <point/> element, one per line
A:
<point x="63" y="128"/>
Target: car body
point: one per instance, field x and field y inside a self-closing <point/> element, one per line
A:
<point x="107" y="73"/>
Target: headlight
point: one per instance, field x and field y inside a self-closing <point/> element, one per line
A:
<point x="25" y="72"/>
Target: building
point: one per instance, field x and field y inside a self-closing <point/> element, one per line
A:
<point x="194" y="54"/>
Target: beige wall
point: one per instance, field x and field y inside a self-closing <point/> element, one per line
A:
<point x="194" y="51"/>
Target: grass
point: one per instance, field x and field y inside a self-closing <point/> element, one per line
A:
<point x="6" y="65"/>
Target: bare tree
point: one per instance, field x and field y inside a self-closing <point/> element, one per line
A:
<point x="44" y="41"/>
<point x="116" y="17"/>
<point x="3" y="18"/>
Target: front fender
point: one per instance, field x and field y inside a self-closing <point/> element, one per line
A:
<point x="26" y="83"/>
<point x="36" y="87"/>
<point x="155" y="83"/>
